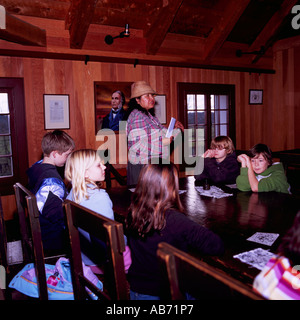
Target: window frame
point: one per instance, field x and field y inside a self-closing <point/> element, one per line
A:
<point x="207" y="89"/>
<point x="16" y="100"/>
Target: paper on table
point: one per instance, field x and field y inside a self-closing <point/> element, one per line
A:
<point x="171" y="127"/>
<point x="257" y="258"/>
<point x="213" y="192"/>
<point x="179" y="191"/>
<point x="264" y="238"/>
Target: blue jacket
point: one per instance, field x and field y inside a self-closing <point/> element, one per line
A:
<point x="50" y="191"/>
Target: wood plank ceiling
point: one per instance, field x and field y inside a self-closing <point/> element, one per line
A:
<point x="195" y="33"/>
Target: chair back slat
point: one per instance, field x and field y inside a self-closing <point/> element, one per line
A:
<point x="185" y="274"/>
<point x="106" y="230"/>
<point x="31" y="235"/>
<point x="21" y="203"/>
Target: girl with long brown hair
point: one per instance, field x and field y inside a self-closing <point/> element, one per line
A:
<point x="156" y="215"/>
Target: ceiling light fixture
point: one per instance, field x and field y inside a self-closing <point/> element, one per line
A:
<point x="109" y="39"/>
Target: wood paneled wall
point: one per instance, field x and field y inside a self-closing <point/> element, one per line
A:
<point x="273" y="123"/>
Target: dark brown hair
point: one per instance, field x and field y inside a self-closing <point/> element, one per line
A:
<point x="262" y="149"/>
<point x="155" y="193"/>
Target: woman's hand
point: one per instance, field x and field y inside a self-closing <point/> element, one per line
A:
<point x="167" y="141"/>
<point x="179" y="125"/>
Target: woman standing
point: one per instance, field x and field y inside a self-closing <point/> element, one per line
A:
<point x="146" y="135"/>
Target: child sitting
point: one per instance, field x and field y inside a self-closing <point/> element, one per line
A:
<point x="84" y="169"/>
<point x="157" y="215"/>
<point x="49" y="188"/>
<point x="220" y="162"/>
<point x="259" y="173"/>
<point x="280" y="278"/>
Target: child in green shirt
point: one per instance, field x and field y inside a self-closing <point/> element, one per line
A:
<point x="259" y="173"/>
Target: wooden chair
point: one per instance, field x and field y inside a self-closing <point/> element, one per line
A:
<point x="111" y="233"/>
<point x="3" y="239"/>
<point x="3" y="255"/>
<point x="186" y="274"/>
<point x="8" y="266"/>
<point x="28" y="214"/>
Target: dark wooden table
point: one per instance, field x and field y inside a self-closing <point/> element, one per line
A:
<point x="234" y="218"/>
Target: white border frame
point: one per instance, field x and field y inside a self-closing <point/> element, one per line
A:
<point x="56" y="111"/>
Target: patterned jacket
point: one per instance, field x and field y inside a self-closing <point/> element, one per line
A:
<point x="145" y="133"/>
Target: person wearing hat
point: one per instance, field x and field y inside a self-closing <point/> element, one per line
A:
<point x="145" y="133"/>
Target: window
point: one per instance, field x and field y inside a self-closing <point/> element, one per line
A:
<point x="13" y="143"/>
<point x="6" y="164"/>
<point x="208" y="110"/>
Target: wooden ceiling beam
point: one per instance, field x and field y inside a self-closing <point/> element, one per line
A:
<point x="156" y="34"/>
<point x="22" y="32"/>
<point x="221" y="31"/>
<point x="266" y="37"/>
<point x="127" y="60"/>
<point x="78" y="20"/>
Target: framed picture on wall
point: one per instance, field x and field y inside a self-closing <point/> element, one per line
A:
<point x="103" y="99"/>
<point x="56" y="111"/>
<point x="160" y="108"/>
<point x="255" y="96"/>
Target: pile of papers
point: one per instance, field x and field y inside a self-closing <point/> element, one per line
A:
<point x="259" y="257"/>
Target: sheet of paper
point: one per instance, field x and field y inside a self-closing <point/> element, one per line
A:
<point x="179" y="191"/>
<point x="171" y="127"/>
<point x="213" y="192"/>
<point x="256" y="258"/>
<point x="264" y="238"/>
<point x="232" y="186"/>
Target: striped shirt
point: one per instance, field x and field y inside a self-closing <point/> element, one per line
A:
<point x="278" y="280"/>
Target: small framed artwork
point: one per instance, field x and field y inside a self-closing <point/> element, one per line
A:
<point x="160" y="108"/>
<point x="255" y="96"/>
<point x="56" y="111"/>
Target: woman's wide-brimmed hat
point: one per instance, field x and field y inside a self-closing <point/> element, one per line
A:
<point x="139" y="88"/>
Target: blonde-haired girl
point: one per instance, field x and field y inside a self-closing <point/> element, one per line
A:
<point x="84" y="169"/>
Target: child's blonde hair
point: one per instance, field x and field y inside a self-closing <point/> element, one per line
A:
<point x="222" y="142"/>
<point x="76" y="165"/>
